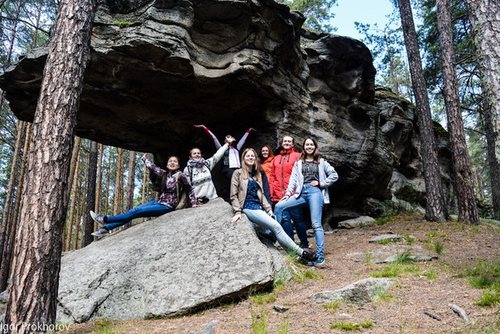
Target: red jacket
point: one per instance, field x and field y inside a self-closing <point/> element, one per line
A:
<point x="281" y="171"/>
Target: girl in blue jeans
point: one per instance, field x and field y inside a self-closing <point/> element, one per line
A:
<point x="247" y="197"/>
<point x="311" y="176"/>
<point x="173" y="182"/>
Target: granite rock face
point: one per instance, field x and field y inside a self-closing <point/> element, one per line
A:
<point x="171" y="265"/>
<point x="160" y="66"/>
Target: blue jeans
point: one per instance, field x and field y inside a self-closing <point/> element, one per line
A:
<point x="148" y="209"/>
<point x="313" y="198"/>
<point x="261" y="218"/>
<point x="297" y="215"/>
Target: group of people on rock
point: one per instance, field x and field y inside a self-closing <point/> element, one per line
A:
<point x="289" y="182"/>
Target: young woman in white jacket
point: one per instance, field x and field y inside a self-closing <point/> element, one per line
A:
<point x="308" y="186"/>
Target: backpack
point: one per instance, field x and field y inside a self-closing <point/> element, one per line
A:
<point x="182" y="196"/>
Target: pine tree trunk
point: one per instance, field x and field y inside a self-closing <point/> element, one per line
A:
<point x="463" y="178"/>
<point x="37" y="253"/>
<point x="99" y="179"/>
<point x="91" y="194"/>
<point x="435" y="208"/>
<point x="486" y="23"/>
<point x="493" y="165"/>
<point x="118" y="195"/>
<point x="131" y="180"/>
<point x="9" y="224"/>
<point x="144" y="184"/>
<point x="24" y="165"/>
<point x="73" y="182"/>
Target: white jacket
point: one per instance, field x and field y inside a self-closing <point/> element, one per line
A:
<point x="327" y="176"/>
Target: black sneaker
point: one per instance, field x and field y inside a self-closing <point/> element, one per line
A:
<point x="309" y="257"/>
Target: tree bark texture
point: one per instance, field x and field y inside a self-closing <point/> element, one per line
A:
<point x="73" y="182"/>
<point x="91" y="195"/>
<point x="485" y="18"/>
<point x="131" y="180"/>
<point x="98" y="190"/>
<point x="118" y="194"/>
<point x="493" y="165"/>
<point x="435" y="208"/>
<point x="37" y="254"/>
<point x="9" y="224"/>
<point x="463" y="177"/>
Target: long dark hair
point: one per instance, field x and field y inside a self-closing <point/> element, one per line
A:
<point x="271" y="154"/>
<point x="159" y="183"/>
<point x="316" y="154"/>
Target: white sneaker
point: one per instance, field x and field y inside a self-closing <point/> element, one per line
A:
<point x="97" y="217"/>
<point x="101" y="232"/>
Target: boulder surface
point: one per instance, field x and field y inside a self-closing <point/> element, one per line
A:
<point x="171" y="265"/>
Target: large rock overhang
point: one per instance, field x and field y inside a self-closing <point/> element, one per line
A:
<point x="158" y="67"/>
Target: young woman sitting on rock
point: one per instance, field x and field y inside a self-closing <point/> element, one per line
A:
<point x="247" y="197"/>
<point x="173" y="183"/>
<point x="198" y="171"/>
<point x="311" y="176"/>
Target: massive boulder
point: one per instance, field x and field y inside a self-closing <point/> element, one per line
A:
<point x="174" y="264"/>
<point x="159" y="66"/>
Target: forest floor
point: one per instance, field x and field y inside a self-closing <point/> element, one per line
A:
<point x="417" y="302"/>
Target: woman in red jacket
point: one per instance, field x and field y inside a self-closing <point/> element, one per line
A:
<point x="281" y="171"/>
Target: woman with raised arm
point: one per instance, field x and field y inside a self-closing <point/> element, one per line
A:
<point x="198" y="171"/>
<point x="173" y="183"/>
<point x="231" y="159"/>
<point x="247" y="198"/>
<point x="311" y="176"/>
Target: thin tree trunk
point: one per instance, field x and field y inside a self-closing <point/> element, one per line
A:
<point x="130" y="183"/>
<point x="107" y="189"/>
<point x="24" y="164"/>
<point x="91" y="194"/>
<point x="9" y="224"/>
<point x="486" y="24"/>
<point x="37" y="260"/>
<point x="144" y="183"/>
<point x="73" y="182"/>
<point x="435" y="208"/>
<point x="131" y="180"/>
<point x="99" y="179"/>
<point x="118" y="196"/>
<point x="463" y="178"/>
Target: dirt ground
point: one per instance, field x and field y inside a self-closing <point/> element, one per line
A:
<point x="411" y="305"/>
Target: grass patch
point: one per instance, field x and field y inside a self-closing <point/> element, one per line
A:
<point x="259" y="322"/>
<point x="332" y="306"/>
<point x="490" y="297"/>
<point x="404" y="258"/>
<point x="103" y="326"/>
<point x="383" y="220"/>
<point x="284" y="327"/>
<point x="486" y="275"/>
<point x="279" y="283"/>
<point x="395" y="270"/>
<point x="263" y="298"/>
<point x="430" y="274"/>
<point x="438" y="247"/>
<point x="383" y="295"/>
<point x="409" y="240"/>
<point x="384" y="241"/>
<point x="300" y="276"/>
<point x="351" y="326"/>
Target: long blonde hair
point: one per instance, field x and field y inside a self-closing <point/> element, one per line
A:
<point x="256" y="167"/>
